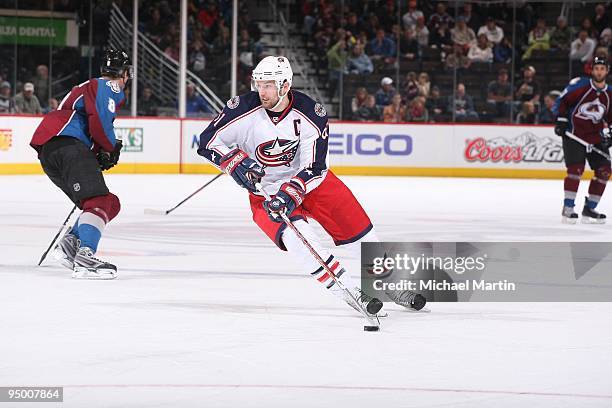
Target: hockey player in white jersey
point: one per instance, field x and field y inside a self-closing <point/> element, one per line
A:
<point x="279" y="137"/>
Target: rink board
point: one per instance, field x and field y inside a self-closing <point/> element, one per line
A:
<point x="169" y="145"/>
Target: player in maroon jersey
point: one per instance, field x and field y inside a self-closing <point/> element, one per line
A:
<point x="584" y="109"/>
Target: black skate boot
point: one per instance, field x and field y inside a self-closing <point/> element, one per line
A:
<point x="366" y="303"/>
<point x="590" y="216"/>
<point x="87" y="266"/>
<point x="568" y="216"/>
<point x="408" y="299"/>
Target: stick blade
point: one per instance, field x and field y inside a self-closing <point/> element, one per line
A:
<point x="150" y="211"/>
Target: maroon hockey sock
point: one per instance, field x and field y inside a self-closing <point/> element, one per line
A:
<point x="598" y="185"/>
<point x="571" y="183"/>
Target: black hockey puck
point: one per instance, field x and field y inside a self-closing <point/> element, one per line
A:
<point x="418" y="302"/>
<point x="371" y="328"/>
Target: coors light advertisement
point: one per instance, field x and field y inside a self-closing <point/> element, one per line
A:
<point x="526" y="148"/>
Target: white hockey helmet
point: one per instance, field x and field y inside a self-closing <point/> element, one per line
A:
<point x="273" y="68"/>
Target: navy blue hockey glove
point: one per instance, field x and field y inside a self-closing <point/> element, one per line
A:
<point x="606" y="137"/>
<point x="285" y="201"/>
<point x="561" y="125"/>
<point x="242" y="168"/>
<point x="109" y="160"/>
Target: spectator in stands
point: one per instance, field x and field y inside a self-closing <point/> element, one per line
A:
<point x="528" y="90"/>
<point x="387" y="15"/>
<point x="439" y="17"/>
<point x="148" y="103"/>
<point x="435" y="104"/>
<point x="527" y="114"/>
<point x="155" y="28"/>
<point x="546" y="115"/>
<point x="601" y="20"/>
<point x="441" y="38"/>
<point x="582" y="48"/>
<point x="462" y="105"/>
<point x="499" y="94"/>
<point x="197" y="59"/>
<point x="492" y="31"/>
<point x="196" y="104"/>
<point x="503" y="52"/>
<point x="409" y="47"/>
<point x="52" y="105"/>
<point x="424" y="84"/>
<point x="359" y="62"/>
<point x="369" y="111"/>
<point x="421" y="32"/>
<point x="561" y="36"/>
<point x="481" y="51"/>
<point x="385" y="92"/>
<point x="471" y="19"/>
<point x="605" y="39"/>
<point x="410" y="88"/>
<point x="463" y="35"/>
<point x="412" y="15"/>
<point x="353" y="25"/>
<point x="417" y="112"/>
<point x="382" y="48"/>
<point x="458" y="59"/>
<point x="26" y="101"/>
<point x="396" y="111"/>
<point x="539" y="39"/>
<point x="6" y="100"/>
<point x="209" y="15"/>
<point x="336" y="64"/>
<point x="587" y="25"/>
<point x="173" y="50"/>
<point x="41" y="83"/>
<point x="359" y="100"/>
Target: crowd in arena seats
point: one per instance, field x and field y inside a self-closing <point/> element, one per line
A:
<point x="371" y="45"/>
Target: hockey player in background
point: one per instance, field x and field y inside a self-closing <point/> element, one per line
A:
<point x="74" y="144"/>
<point x="279" y="136"/>
<point x="584" y="109"/>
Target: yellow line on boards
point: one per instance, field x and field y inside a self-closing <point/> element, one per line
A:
<point x="186" y="168"/>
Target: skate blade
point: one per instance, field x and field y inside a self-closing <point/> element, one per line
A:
<point x="61" y="257"/>
<point x="570" y="221"/>
<point x="423" y="310"/>
<point x="100" y="274"/>
<point x="589" y="220"/>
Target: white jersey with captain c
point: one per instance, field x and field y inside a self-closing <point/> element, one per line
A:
<point x="291" y="146"/>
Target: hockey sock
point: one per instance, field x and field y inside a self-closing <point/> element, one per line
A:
<point x="571" y="183"/>
<point x="305" y="259"/>
<point x="90" y="227"/>
<point x="597" y="186"/>
<point x="75" y="229"/>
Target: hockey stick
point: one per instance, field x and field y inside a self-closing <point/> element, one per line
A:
<point x="320" y="260"/>
<point x="160" y="212"/>
<point x="42" y="258"/>
<point x="588" y="146"/>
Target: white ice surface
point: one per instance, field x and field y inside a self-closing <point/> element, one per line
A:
<point x="206" y="312"/>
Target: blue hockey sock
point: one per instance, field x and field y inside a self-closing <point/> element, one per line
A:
<point x="90" y="227"/>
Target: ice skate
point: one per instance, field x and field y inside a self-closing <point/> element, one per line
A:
<point x="66" y="249"/>
<point x="366" y="303"/>
<point x="590" y="216"/>
<point x="87" y="266"/>
<point x="568" y="216"/>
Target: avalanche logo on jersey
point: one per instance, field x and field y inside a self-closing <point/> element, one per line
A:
<point x="277" y="152"/>
<point x="593" y="111"/>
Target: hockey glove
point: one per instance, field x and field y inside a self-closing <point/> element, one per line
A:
<point x="285" y="201"/>
<point x="109" y="160"/>
<point x="561" y="125"/>
<point x="606" y="137"/>
<point x="244" y="170"/>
